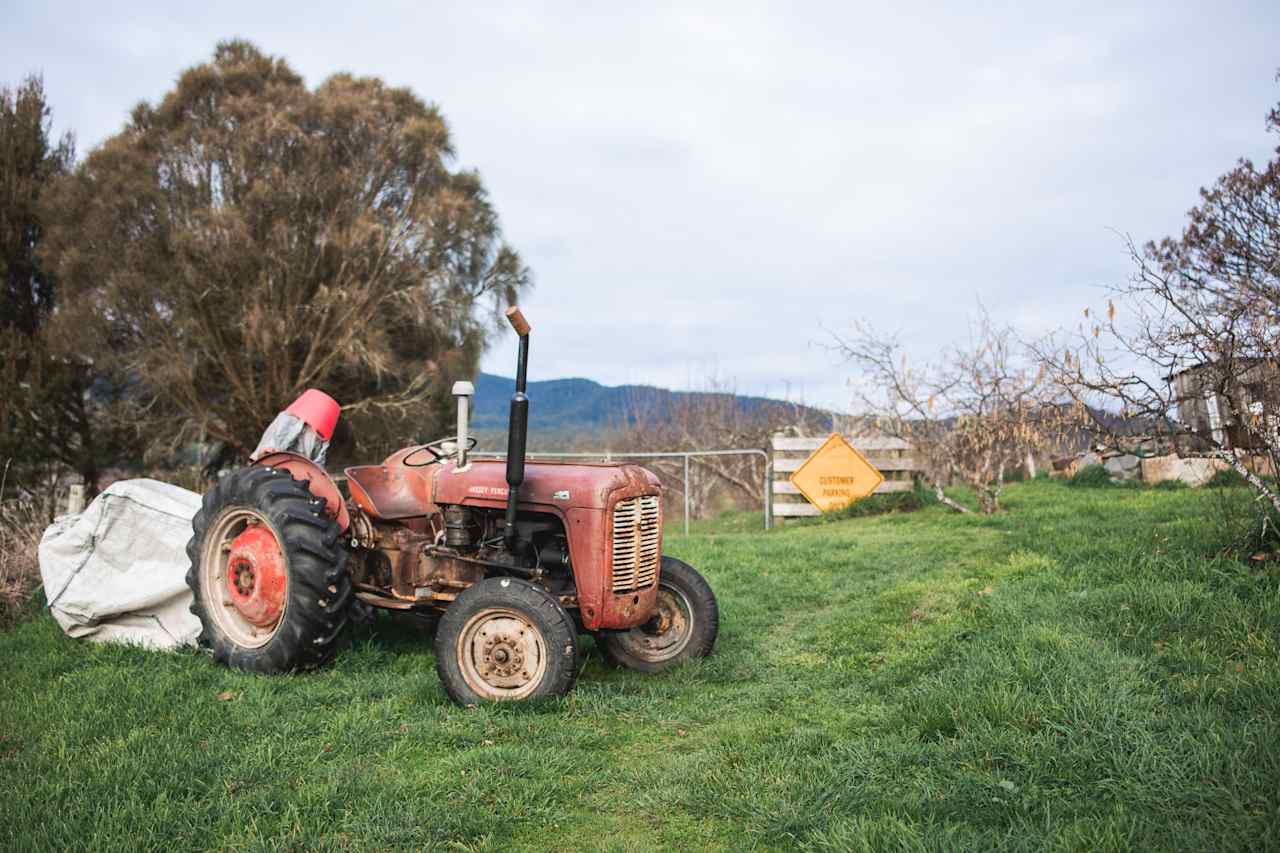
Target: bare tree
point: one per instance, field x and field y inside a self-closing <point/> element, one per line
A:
<point x="1196" y="329"/>
<point x="978" y="411"/>
<point x="714" y="418"/>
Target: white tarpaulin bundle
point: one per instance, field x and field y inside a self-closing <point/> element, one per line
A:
<point x="117" y="571"/>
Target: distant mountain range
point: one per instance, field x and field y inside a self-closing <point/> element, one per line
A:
<point x="560" y="405"/>
<point x="566" y="413"/>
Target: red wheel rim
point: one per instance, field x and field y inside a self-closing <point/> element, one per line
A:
<point x="257" y="578"/>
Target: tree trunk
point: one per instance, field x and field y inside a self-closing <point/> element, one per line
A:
<point x="946" y="501"/>
<point x="1235" y="458"/>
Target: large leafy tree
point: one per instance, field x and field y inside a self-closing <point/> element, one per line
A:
<point x="248" y="237"/>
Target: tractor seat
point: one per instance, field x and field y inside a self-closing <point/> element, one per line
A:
<point x="389" y="493"/>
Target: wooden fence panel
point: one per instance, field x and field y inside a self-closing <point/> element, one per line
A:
<point x="893" y="457"/>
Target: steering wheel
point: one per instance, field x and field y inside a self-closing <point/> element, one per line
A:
<point x="434" y="448"/>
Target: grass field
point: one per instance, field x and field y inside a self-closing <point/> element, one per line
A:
<point x="1078" y="673"/>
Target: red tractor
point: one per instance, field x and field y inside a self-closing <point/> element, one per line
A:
<point x="516" y="560"/>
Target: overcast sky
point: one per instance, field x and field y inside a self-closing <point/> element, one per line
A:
<point x="701" y="189"/>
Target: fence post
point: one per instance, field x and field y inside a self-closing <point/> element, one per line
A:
<point x="768" y="490"/>
<point x="686" y="494"/>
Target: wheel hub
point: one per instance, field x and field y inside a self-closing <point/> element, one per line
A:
<point x="666" y="633"/>
<point x="242" y="576"/>
<point x="257" y="577"/>
<point x="665" y="615"/>
<point x="502" y="656"/>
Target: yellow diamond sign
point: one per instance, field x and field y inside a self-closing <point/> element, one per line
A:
<point x="836" y="474"/>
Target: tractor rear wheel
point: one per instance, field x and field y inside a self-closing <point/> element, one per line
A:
<point x="684" y="625"/>
<point x="268" y="573"/>
<point x="503" y="639"/>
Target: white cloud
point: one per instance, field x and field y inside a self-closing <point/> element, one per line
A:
<point x="703" y="187"/>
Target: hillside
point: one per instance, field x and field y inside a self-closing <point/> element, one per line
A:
<point x="560" y="405"/>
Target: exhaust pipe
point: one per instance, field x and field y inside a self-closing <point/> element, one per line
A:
<point x="518" y="427"/>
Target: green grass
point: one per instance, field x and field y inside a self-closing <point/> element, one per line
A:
<point x="1091" y="476"/>
<point x="1077" y="673"/>
<point x="1226" y="478"/>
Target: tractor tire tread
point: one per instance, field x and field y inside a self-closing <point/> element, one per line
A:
<point x="310" y="632"/>
<point x="707" y="621"/>
<point x="557" y="626"/>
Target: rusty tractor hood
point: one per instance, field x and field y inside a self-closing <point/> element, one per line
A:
<point x="565" y="485"/>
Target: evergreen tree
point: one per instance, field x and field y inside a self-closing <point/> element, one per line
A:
<point x="248" y="237"/>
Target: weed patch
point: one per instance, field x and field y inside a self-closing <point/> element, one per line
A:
<point x="21" y="526"/>
<point x="1226" y="478"/>
<point x="1091" y="477"/>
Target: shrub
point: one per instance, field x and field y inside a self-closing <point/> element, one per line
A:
<point x="1227" y="478"/>
<point x="918" y="498"/>
<point x="21" y="525"/>
<point x="1090" y="477"/>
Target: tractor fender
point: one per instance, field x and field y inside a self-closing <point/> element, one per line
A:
<point x="318" y="480"/>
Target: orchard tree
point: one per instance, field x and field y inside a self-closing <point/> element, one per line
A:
<point x="980" y="410"/>
<point x="248" y="237"/>
<point x="715" y="418"/>
<point x="1203" y="306"/>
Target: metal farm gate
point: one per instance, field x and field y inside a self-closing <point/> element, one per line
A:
<point x="892" y="456"/>
<point x="685" y="455"/>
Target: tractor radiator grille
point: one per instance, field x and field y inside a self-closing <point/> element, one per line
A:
<point x="637" y="525"/>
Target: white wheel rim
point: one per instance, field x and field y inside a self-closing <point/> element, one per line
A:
<point x="218" y="605"/>
<point x="502" y="654"/>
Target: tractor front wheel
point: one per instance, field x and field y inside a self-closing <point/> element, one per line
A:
<point x="685" y="623"/>
<point x="504" y="638"/>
